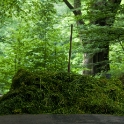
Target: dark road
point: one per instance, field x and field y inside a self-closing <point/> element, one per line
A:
<point x="61" y="119"/>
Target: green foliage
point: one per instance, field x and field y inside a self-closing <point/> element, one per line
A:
<point x="32" y="40"/>
<point x="34" y="34"/>
<point x="62" y="93"/>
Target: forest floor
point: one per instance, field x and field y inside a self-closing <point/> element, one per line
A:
<point x="61" y="119"/>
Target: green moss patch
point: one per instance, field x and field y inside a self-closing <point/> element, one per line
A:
<point x="62" y="93"/>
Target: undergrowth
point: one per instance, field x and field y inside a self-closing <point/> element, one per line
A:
<point x="62" y="93"/>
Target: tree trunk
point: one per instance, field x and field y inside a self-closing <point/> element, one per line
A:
<point x="101" y="59"/>
<point x="98" y="61"/>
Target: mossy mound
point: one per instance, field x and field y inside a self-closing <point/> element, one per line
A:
<point x="60" y="92"/>
<point x="122" y="78"/>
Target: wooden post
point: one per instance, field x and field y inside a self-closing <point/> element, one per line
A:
<point x="70" y="49"/>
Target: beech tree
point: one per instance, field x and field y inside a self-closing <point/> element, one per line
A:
<point x="102" y="14"/>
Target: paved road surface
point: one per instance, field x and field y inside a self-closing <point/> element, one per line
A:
<point x="61" y="119"/>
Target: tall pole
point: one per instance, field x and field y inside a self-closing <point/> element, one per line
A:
<point x="70" y="50"/>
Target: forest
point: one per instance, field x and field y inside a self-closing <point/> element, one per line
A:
<point x="62" y="46"/>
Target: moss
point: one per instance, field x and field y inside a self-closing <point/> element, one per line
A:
<point x="23" y="77"/>
<point x="122" y="78"/>
<point x="64" y="93"/>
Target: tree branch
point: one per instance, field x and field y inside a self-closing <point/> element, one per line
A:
<point x="70" y="7"/>
<point x="76" y="13"/>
